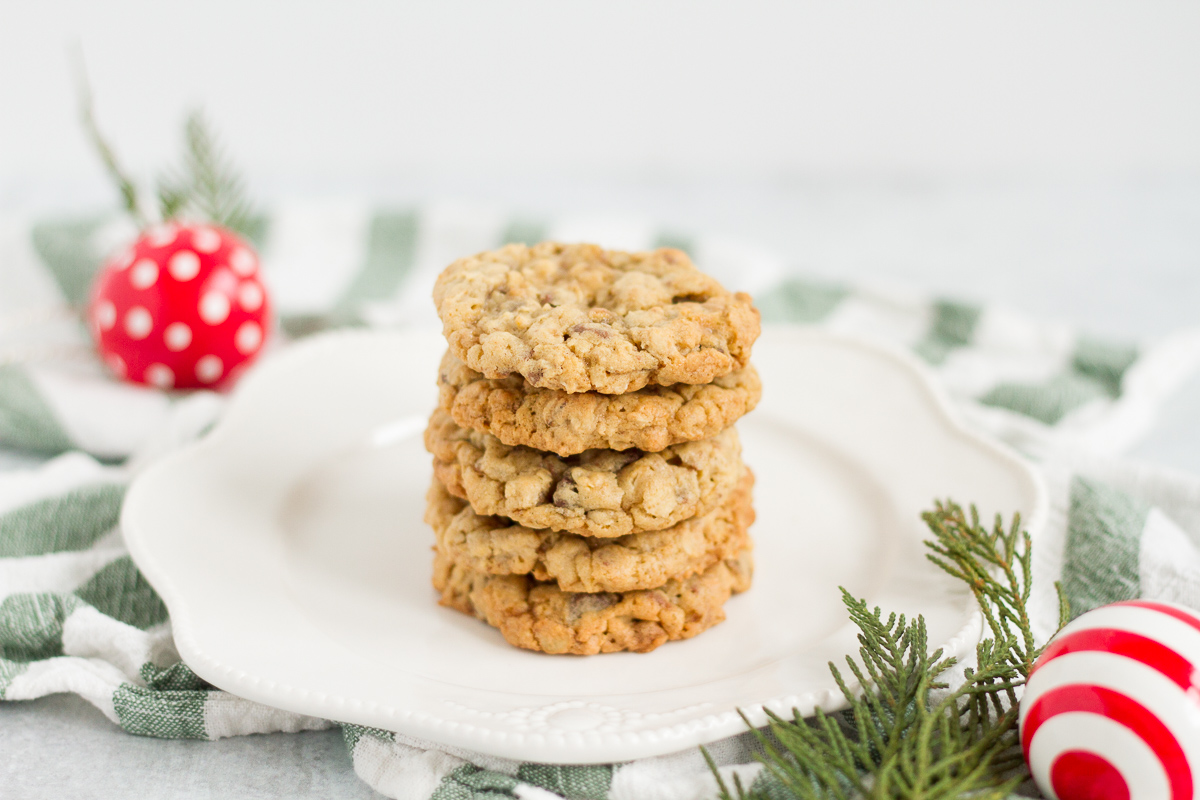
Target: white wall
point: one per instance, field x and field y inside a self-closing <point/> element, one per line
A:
<point x="355" y="91"/>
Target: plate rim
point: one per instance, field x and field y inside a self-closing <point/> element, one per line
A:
<point x="562" y="747"/>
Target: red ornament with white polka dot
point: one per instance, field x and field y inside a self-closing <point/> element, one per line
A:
<point x="182" y="308"/>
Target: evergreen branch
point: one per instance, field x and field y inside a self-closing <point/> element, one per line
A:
<point x="125" y="185"/>
<point x="895" y="740"/>
<point x="206" y="186"/>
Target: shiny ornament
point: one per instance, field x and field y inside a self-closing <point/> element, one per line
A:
<point x="184" y="307"/>
<point x="1112" y="708"/>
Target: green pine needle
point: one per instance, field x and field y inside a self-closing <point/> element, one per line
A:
<point x="206" y="186"/>
<point x="905" y="736"/>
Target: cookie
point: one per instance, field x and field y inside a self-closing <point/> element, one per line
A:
<point x="651" y="418"/>
<point x="583" y="319"/>
<point x="540" y="616"/>
<point x="494" y="545"/>
<point x="604" y="493"/>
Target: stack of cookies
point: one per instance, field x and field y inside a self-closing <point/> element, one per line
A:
<point x="589" y="494"/>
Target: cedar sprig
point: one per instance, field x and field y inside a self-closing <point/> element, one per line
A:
<point x="906" y="734"/>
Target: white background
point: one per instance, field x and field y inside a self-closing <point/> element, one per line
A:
<point x="367" y="93"/>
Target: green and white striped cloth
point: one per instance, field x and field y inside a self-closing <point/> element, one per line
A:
<point x="77" y="616"/>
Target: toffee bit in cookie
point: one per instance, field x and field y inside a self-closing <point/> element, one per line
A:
<point x="587" y="327"/>
<point x="564" y="491"/>
<point x="579" y="604"/>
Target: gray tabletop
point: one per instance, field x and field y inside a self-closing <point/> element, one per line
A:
<point x="1115" y="258"/>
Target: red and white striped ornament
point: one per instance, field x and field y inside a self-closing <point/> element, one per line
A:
<point x="1112" y="708"/>
<point x="183" y="307"/>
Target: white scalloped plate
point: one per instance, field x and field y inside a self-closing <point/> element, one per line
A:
<point x="289" y="548"/>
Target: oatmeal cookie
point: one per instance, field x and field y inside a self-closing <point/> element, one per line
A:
<point x="540" y="616"/>
<point x="651" y="418"/>
<point x="583" y="319"/>
<point x="604" y="493"/>
<point x="494" y="545"/>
